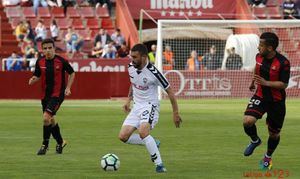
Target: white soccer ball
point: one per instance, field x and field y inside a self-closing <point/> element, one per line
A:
<point x="110" y="162"/>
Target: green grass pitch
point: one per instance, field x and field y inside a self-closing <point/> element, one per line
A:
<point x="209" y="144"/>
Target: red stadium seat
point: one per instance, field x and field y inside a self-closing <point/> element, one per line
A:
<point x="33" y="22"/>
<point x="60" y="46"/>
<point x="43" y="12"/>
<point x="13" y="12"/>
<point x="102" y="12"/>
<point x="28" y="12"/>
<point x="77" y="24"/>
<point x="93" y="23"/>
<point x="87" y="12"/>
<point x="288" y="46"/>
<point x="259" y="13"/>
<point x="88" y="46"/>
<point x="271" y="3"/>
<point x="47" y="22"/>
<point x="296" y="34"/>
<point x="85" y="34"/>
<point x="64" y="23"/>
<point x="72" y="12"/>
<point x="57" y="12"/>
<point x="107" y="23"/>
<point x="274" y="13"/>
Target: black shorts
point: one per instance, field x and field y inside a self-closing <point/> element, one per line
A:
<point x="51" y="105"/>
<point x="257" y="107"/>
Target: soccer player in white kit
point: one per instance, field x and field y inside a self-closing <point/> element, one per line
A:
<point x="145" y="79"/>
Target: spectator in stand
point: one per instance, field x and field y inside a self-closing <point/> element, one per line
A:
<point x="109" y="50"/>
<point x="32" y="61"/>
<point x="14" y="62"/>
<point x="97" y="50"/>
<point x="10" y="2"/>
<point x="68" y="3"/>
<point x="258" y="3"/>
<point x="30" y="36"/>
<point x="73" y="40"/>
<point x="168" y="58"/>
<point x="152" y="54"/>
<point x="289" y="9"/>
<point x="123" y="51"/>
<point x="211" y="61"/>
<point x="37" y="3"/>
<point x="30" y="50"/>
<point x="21" y="31"/>
<point x="117" y="38"/>
<point x="102" y="37"/>
<point x="41" y="31"/>
<point x="194" y="63"/>
<point x="233" y="61"/>
<point x="104" y="3"/>
<point x="54" y="3"/>
<point x="54" y="30"/>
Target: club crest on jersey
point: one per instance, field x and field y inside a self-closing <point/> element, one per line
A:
<point x="145" y="80"/>
<point x="57" y="67"/>
<point x="274" y="68"/>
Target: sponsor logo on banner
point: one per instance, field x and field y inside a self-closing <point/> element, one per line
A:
<point x="212" y="85"/>
<point x="94" y="66"/>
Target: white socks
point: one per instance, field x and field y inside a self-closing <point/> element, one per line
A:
<point x="135" y="139"/>
<point x="152" y="149"/>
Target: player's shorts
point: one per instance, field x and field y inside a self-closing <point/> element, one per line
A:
<point x="275" y="112"/>
<point x="140" y="113"/>
<point x="51" y="105"/>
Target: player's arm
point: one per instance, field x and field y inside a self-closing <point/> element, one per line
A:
<point x="176" y="118"/>
<point x="36" y="74"/>
<point x="69" y="84"/>
<point x="126" y="106"/>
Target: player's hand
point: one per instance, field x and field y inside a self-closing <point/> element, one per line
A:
<point x="126" y="107"/>
<point x="177" y="119"/>
<point x="67" y="92"/>
<point x="260" y="80"/>
<point x="32" y="80"/>
<point x="252" y="86"/>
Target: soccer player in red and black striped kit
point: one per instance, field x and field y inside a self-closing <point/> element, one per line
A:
<point x="51" y="70"/>
<point x="271" y="77"/>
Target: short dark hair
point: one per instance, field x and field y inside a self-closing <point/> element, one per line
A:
<point x="271" y="39"/>
<point x="141" y="48"/>
<point x="46" y="41"/>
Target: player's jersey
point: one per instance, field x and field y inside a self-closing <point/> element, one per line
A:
<point x="276" y="69"/>
<point x="145" y="82"/>
<point x="52" y="73"/>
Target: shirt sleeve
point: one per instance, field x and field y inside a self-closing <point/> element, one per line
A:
<point x="284" y="75"/>
<point x="67" y="67"/>
<point x="161" y="80"/>
<point x="37" y="70"/>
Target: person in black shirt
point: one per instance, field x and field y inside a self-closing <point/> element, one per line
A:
<point x="271" y="77"/>
<point x="51" y="70"/>
<point x="233" y="61"/>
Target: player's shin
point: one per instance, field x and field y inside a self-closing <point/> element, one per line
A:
<point x="135" y="139"/>
<point x="152" y="149"/>
<point x="46" y="134"/>
<point x="272" y="144"/>
<point x="56" y="134"/>
<point x="251" y="131"/>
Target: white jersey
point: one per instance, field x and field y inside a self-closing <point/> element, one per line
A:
<point x="145" y="82"/>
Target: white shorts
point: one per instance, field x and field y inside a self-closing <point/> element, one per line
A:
<point x="143" y="113"/>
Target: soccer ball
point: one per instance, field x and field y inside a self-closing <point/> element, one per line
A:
<point x="110" y="162"/>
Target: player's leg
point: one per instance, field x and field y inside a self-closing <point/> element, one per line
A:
<point x="53" y="106"/>
<point x="254" y="111"/>
<point x="275" y="119"/>
<point x="149" y="117"/>
<point x="46" y="128"/>
<point x="126" y="135"/>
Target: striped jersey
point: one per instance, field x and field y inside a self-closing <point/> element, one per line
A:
<point x="52" y="73"/>
<point x="145" y="82"/>
<point x="275" y="69"/>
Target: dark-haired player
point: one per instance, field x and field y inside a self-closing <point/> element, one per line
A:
<point x="145" y="79"/>
<point x="271" y="76"/>
<point x="51" y="70"/>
